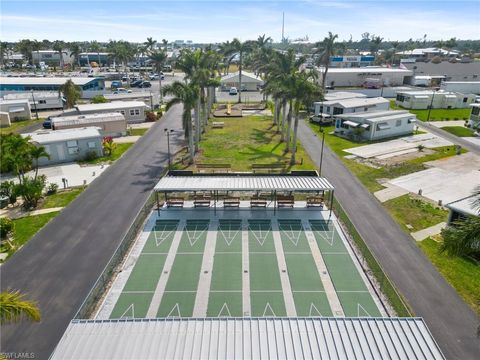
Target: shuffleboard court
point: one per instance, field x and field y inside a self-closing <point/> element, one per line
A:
<point x="161" y="236"/>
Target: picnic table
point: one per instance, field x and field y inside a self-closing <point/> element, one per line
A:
<point x="201" y="201"/>
<point x="177" y="201"/>
<point x="269" y="167"/>
<point x="258" y="202"/>
<point x="285" y="200"/>
<point x="231" y="202"/>
<point x="202" y="166"/>
<point x="315" y="201"/>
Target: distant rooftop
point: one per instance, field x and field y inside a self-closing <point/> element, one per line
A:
<point x="114" y="105"/>
<point x="49" y="136"/>
<point x="88" y="118"/>
<point x="377" y="116"/>
<point x="244" y="74"/>
<point x="339" y="95"/>
<point x="80" y="81"/>
<point x="357" y="102"/>
<point x="428" y="51"/>
<point x="28" y="95"/>
<point x="368" y="70"/>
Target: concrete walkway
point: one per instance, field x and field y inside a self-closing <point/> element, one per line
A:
<point x="282" y="269"/>
<point x="126" y="139"/>
<point x="167" y="268"/>
<point x="205" y="279"/>
<point x="17" y="212"/>
<point x="452" y="322"/>
<point x="390" y="192"/>
<point x="431" y="231"/>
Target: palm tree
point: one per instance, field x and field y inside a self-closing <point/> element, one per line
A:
<point x="158" y="59"/>
<point x="326" y="49"/>
<point x="395" y="45"/>
<point x="239" y="48"/>
<point x="14" y="307"/>
<point x="71" y="93"/>
<point x="58" y="46"/>
<point x="75" y="51"/>
<point x="94" y="46"/>
<point x="150" y="45"/>
<point x="36" y="46"/>
<point x="375" y="44"/>
<point x="36" y="153"/>
<point x="186" y="94"/>
<point x="25" y="47"/>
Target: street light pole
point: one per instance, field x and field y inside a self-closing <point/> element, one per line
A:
<point x="34" y="103"/>
<point x="430" y="107"/>
<point x="321" y="152"/>
<point x="167" y="131"/>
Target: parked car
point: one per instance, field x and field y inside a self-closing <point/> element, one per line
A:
<point x="47" y="124"/>
<point x="233" y="91"/>
<point x="145" y="84"/>
<point x="167" y="67"/>
<point x="116" y="84"/>
<point x="122" y="91"/>
<point x="136" y="83"/>
<point x="155" y="76"/>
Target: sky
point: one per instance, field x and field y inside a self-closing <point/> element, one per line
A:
<point x="218" y="21"/>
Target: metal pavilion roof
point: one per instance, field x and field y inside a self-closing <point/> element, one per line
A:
<point x="248" y="338"/>
<point x="243" y="183"/>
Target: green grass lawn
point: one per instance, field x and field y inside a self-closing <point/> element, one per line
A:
<point x="418" y="213"/>
<point x="17" y="126"/>
<point x="436" y="114"/>
<point x="137" y="132"/>
<point x="463" y="274"/>
<point x="25" y="228"/>
<point x="117" y="153"/>
<point x="459" y="131"/>
<point x="246" y="141"/>
<point x="61" y="198"/>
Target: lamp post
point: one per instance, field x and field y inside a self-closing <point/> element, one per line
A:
<point x="34" y="103"/>
<point x="168" y="131"/>
<point x="430" y="107"/>
<point x="321" y="152"/>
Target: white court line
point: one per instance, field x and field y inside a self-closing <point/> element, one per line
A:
<point x="153" y="253"/>
<point x="137" y="292"/>
<point x="282" y="265"/>
<point x="297" y="253"/>
<point x="229" y="238"/>
<point x="266" y="291"/>
<point x="246" y="305"/>
<point x="227" y="252"/>
<point x="189" y="253"/>
<point x="353" y="291"/>
<point x="263" y="253"/>
<point x="167" y="267"/>
<point x="225" y="291"/>
<point x="180" y="291"/>
<point x="308" y="291"/>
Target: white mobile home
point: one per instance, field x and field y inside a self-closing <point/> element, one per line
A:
<point x="331" y="108"/>
<point x="474" y="121"/>
<point x="67" y="145"/>
<point x="250" y="82"/>
<point x="16" y="109"/>
<point x="40" y="100"/>
<point x="465" y="87"/>
<point x="111" y="124"/>
<point x="134" y="111"/>
<point x="375" y="125"/>
<point x="4" y="119"/>
<point x="438" y="99"/>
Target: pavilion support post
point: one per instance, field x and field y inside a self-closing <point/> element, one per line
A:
<point x="274" y="202"/>
<point x="215" y="194"/>
<point x="158" y="203"/>
<point x="331" y="203"/>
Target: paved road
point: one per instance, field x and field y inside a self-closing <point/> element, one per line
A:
<point x="452" y="322"/>
<point x="450" y="137"/>
<point x="62" y="262"/>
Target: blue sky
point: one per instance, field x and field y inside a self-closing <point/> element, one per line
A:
<point x="217" y="21"/>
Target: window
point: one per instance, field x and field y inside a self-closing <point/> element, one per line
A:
<point x="72" y="143"/>
<point x="92" y="145"/>
<point x="399" y="123"/>
<point x="337" y="111"/>
<point x="400" y="98"/>
<point x="137" y="111"/>
<point x="132" y="112"/>
<point x="465" y="99"/>
<point x="73" y="150"/>
<point x="476" y="110"/>
<point x="328" y="109"/>
<point x="42" y="101"/>
<point x="122" y="112"/>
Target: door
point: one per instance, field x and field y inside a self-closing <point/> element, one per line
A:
<point x="60" y="152"/>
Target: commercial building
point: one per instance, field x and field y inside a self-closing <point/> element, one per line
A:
<point x="348" y="61"/>
<point x="465" y="87"/>
<point x="111" y="124"/>
<point x="89" y="87"/>
<point x="357" y="76"/>
<point x="40" y="100"/>
<point x="375" y="125"/>
<point x="426" y="54"/>
<point x="351" y="104"/>
<point x="67" y="145"/>
<point x="456" y="71"/>
<point x="474" y="121"/>
<point x="16" y="109"/>
<point x="435" y="99"/>
<point x="51" y="57"/>
<point x="250" y="82"/>
<point x="134" y="111"/>
<point x="87" y="58"/>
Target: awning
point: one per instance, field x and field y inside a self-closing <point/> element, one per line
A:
<point x="365" y="126"/>
<point x="412" y="121"/>
<point x="421" y="97"/>
<point x="242" y="183"/>
<point x="16" y="109"/>
<point x="351" y="123"/>
<point x="383" y="126"/>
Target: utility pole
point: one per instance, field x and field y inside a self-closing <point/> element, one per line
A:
<point x="283" y="27"/>
<point x="430" y="107"/>
<point x="34" y="103"/>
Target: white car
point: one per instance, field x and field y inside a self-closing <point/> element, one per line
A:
<point x="155" y="77"/>
<point x="233" y="91"/>
<point x="122" y="91"/>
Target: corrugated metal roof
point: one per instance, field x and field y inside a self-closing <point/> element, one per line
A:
<point x="45" y="80"/>
<point x="114" y="105"/>
<point x="50" y="136"/>
<point x="243" y="183"/>
<point x="88" y="118"/>
<point x="249" y="338"/>
<point x="465" y="206"/>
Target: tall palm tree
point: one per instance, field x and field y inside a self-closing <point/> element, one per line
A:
<point x="36" y="153"/>
<point x="150" y="45"/>
<point x="59" y="47"/>
<point x="95" y="47"/>
<point x="37" y="46"/>
<point x="25" y="47"/>
<point x="186" y="94"/>
<point x="241" y="49"/>
<point x="375" y="44"/>
<point x="325" y="50"/>
<point x="71" y="93"/>
<point x="158" y="59"/>
<point x="75" y="52"/>
<point x="14" y="307"/>
<point x="395" y="45"/>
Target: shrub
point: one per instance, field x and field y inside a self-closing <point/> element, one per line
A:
<point x="32" y="189"/>
<point x="150" y="116"/>
<point x="9" y="189"/>
<point x="90" y="155"/>
<point x="436" y="60"/>
<point x="6" y="227"/>
<point x="99" y="99"/>
<point x="108" y="145"/>
<point x="52" y="189"/>
<point x="159" y="114"/>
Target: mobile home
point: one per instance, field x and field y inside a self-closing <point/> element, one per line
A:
<point x="331" y="108"/>
<point x="40" y="100"/>
<point x="134" y="111"/>
<point x="375" y="125"/>
<point x="111" y="124"/>
<point x="67" y="145"/>
<point x="437" y="100"/>
<point x="474" y="121"/>
<point x="16" y="109"/>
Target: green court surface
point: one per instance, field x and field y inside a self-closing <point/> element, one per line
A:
<point x="224" y="257"/>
